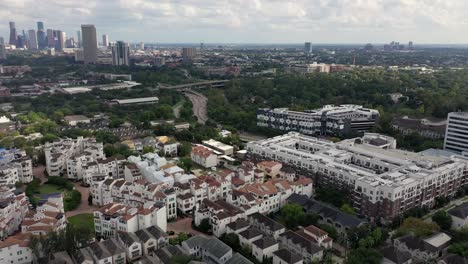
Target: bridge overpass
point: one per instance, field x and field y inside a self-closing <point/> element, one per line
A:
<point x="189" y="86"/>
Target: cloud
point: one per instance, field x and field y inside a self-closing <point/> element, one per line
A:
<point x="249" y="20"/>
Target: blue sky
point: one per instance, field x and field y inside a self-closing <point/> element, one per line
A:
<point x="249" y="21"/>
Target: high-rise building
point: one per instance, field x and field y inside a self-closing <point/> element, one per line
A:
<point x="202" y="46"/>
<point x="50" y="38"/>
<point x="79" y="42"/>
<point x="308" y="47"/>
<point x="105" y="40"/>
<point x="13" y="34"/>
<point x="410" y="45"/>
<point x="32" y="40"/>
<point x="61" y="37"/>
<point x="89" y="43"/>
<point x="187" y="53"/>
<point x="41" y="35"/>
<point x="456" y="133"/>
<point x="120" y="53"/>
<point x="70" y="43"/>
<point x="2" y="49"/>
<point x="142" y="45"/>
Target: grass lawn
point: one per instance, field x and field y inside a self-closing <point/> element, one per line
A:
<point x="82" y="220"/>
<point x="50" y="188"/>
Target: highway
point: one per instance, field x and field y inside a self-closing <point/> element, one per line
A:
<point x="199" y="103"/>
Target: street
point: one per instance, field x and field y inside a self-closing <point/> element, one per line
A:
<point x="199" y="103"/>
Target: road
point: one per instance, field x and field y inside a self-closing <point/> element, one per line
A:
<point x="199" y="103"/>
<point x="183" y="225"/>
<point x="83" y="208"/>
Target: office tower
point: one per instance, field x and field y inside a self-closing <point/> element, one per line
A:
<point x="2" y="49"/>
<point x="105" y="40"/>
<point x="142" y="46"/>
<point x="78" y="34"/>
<point x="41" y="36"/>
<point x="187" y="53"/>
<point x="89" y="43"/>
<point x="70" y="43"/>
<point x="456" y="133"/>
<point x="21" y="40"/>
<point x="50" y="38"/>
<point x="120" y="54"/>
<point x="308" y="47"/>
<point x="13" y="34"/>
<point x="32" y="40"/>
<point x="202" y="46"/>
<point x="410" y="45"/>
<point x="60" y="38"/>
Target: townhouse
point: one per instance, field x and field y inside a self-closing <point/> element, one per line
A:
<point x="267" y="225"/>
<point x="49" y="216"/>
<point x="15" y="249"/>
<point x="459" y="216"/>
<point x="263" y="248"/>
<point x="385" y="181"/>
<point x="108" y="251"/>
<point x="115" y="217"/>
<point x="424" y="249"/>
<point x="204" y="156"/>
<point x="210" y="250"/>
<point x="219" y="213"/>
<point x="13" y="209"/>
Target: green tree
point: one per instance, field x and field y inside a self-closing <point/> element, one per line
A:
<point x="364" y="256"/>
<point x="417" y="227"/>
<point x="443" y="219"/>
<point x="348" y="209"/>
<point x="293" y="215"/>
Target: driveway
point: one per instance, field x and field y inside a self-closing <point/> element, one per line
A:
<point x="83" y="208"/>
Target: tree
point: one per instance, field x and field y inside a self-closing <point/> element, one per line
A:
<point x="180" y="259"/>
<point x="232" y="240"/>
<point x="90" y="199"/>
<point x="417" y="227"/>
<point x="364" y="256"/>
<point x="443" y="219"/>
<point x="293" y="215"/>
<point x="348" y="209"/>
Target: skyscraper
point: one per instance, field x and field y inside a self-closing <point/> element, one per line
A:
<point x="308" y="47"/>
<point x="142" y="45"/>
<point x="105" y="40"/>
<point x="41" y="36"/>
<point x="2" y="49"/>
<point x="78" y="35"/>
<point x="60" y="40"/>
<point x="89" y="43"/>
<point x="13" y="34"/>
<point x="50" y="38"/>
<point x="120" y="53"/>
<point x="32" y="40"/>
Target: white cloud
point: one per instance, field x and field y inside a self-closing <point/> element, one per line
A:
<point x="249" y="20"/>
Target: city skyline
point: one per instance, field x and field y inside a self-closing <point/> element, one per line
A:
<point x="260" y="21"/>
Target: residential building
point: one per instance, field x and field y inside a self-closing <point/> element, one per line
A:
<point x="385" y="181"/>
<point x="15" y="166"/>
<point x="120" y="54"/>
<point x="328" y="214"/>
<point x="89" y="43"/>
<point x="219" y="146"/>
<point x="58" y="153"/>
<point x="210" y="250"/>
<point x="271" y="168"/>
<point x="308" y="47"/>
<point x="219" y="213"/>
<point x="328" y="120"/>
<point x="74" y="120"/>
<point x="13" y="209"/>
<point x="263" y="248"/>
<point x="247" y="237"/>
<point x="266" y="225"/>
<point x="434" y="129"/>
<point x="188" y="53"/>
<point x="459" y="216"/>
<point x="456" y="134"/>
<point x="204" y="156"/>
<point x="284" y="256"/>
<point x="132" y="245"/>
<point x="15" y="249"/>
<point x="392" y="255"/>
<point x="114" y="217"/>
<point x="108" y="251"/>
<point x="424" y="249"/>
<point x="301" y="244"/>
<point x="152" y="239"/>
<point x="310" y="68"/>
<point x="49" y="216"/>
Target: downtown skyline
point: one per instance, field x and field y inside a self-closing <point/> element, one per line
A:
<point x="188" y="21"/>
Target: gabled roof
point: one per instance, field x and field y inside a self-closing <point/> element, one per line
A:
<point x="216" y="247"/>
<point x="251" y="233"/>
<point x="272" y="224"/>
<point x="287" y="256"/>
<point x="460" y="211"/>
<point x="395" y="255"/>
<point x="238" y="259"/>
<point x="238" y="224"/>
<point x="265" y="242"/>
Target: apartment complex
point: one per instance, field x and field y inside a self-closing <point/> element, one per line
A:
<point x="456" y="134"/>
<point x="385" y="181"/>
<point x="49" y="216"/>
<point x="67" y="156"/>
<point x="328" y="120"/>
<point x="13" y="209"/>
<point x="15" y="166"/>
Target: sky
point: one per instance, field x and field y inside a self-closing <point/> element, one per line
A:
<point x="249" y="21"/>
